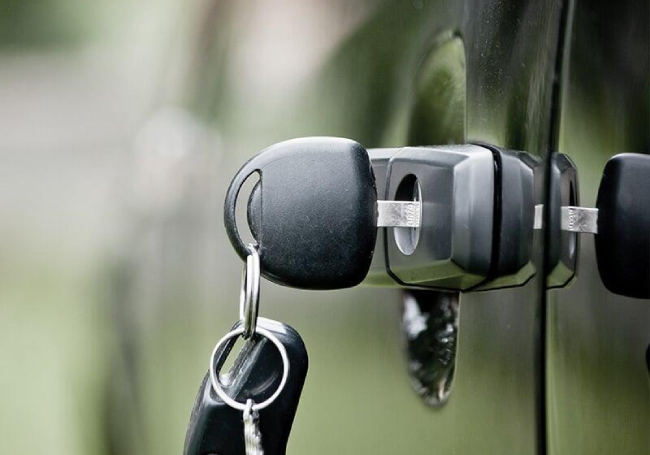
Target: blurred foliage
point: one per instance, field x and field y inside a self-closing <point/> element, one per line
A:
<point x="43" y="23"/>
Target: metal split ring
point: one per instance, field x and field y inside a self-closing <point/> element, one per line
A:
<point x="214" y="374"/>
<point x="249" y="297"/>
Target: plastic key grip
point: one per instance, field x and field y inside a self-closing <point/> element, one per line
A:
<point x="313" y="212"/>
<point x="623" y="239"/>
<point x="217" y="429"/>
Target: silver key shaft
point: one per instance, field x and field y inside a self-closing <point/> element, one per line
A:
<point x="583" y="220"/>
<point x="399" y="214"/>
<point x="252" y="436"/>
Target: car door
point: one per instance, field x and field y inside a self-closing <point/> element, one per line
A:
<point x="598" y="383"/>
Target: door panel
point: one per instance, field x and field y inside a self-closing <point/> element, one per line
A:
<point x="599" y="387"/>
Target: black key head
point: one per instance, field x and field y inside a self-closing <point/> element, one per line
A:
<point x="623" y="239"/>
<point x="313" y="212"/>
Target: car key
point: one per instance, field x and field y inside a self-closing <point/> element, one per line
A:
<point x="217" y="428"/>
<point x="251" y="410"/>
<point x="315" y="225"/>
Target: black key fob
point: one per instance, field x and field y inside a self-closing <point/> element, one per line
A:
<point x="313" y="212"/>
<point x="217" y="429"/>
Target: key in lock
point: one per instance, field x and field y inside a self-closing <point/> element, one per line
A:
<point x="447" y="217"/>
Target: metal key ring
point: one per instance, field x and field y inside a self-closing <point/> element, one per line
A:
<point x="216" y="384"/>
<point x="249" y="296"/>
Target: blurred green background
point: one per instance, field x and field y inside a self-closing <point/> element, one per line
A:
<point x="120" y="124"/>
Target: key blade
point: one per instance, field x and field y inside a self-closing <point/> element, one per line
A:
<point x="539" y="216"/>
<point x="252" y="435"/>
<point x="399" y="214"/>
<point x="572" y="219"/>
<point x="579" y="219"/>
